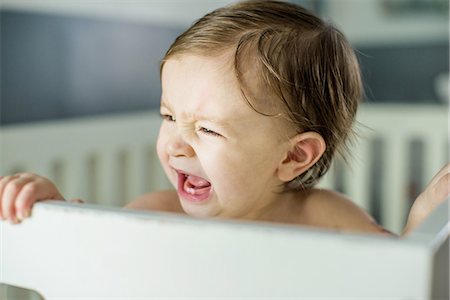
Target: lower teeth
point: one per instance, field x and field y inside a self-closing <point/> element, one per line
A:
<point x="190" y="190"/>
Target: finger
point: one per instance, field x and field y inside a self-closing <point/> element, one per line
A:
<point x="31" y="192"/>
<point x="46" y="190"/>
<point x="36" y="189"/>
<point x="443" y="188"/>
<point x="25" y="200"/>
<point x="442" y="172"/>
<point x="10" y="193"/>
<point x="3" y="182"/>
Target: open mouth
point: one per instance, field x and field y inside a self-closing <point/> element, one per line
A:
<point x="193" y="188"/>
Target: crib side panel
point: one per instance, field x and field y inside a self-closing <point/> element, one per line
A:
<point x="112" y="160"/>
<point x="113" y="254"/>
<point x="107" y="160"/>
<point x="380" y="173"/>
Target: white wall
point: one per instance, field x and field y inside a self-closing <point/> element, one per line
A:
<point x="366" y="23"/>
<point x="170" y="13"/>
<point x="363" y="21"/>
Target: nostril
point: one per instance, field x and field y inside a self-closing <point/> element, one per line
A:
<point x="180" y="149"/>
<point x="189" y="151"/>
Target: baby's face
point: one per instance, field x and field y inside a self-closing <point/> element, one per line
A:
<point x="220" y="155"/>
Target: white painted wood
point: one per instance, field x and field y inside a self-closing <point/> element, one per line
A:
<point x="394" y="184"/>
<point x="113" y="253"/>
<point x="328" y="180"/>
<point x="357" y="175"/>
<point x="397" y="125"/>
<point x="157" y="177"/>
<point x="75" y="176"/>
<point x="41" y="166"/>
<point x="435" y="151"/>
<point x="108" y="180"/>
<point x="135" y="174"/>
<point x="74" y="141"/>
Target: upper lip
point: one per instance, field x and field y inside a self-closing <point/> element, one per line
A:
<point x="178" y="170"/>
<point x="186" y="174"/>
<point x="183" y="172"/>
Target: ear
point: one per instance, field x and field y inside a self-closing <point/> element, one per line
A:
<point x="304" y="151"/>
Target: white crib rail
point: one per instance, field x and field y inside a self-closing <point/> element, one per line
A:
<point x="106" y="160"/>
<point x="111" y="160"/>
<point x="396" y="126"/>
<point x="96" y="252"/>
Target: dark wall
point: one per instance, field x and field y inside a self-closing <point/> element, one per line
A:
<point x="404" y="73"/>
<point x="58" y="67"/>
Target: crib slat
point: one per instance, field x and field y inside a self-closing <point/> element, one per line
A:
<point x="435" y="154"/>
<point x="41" y="167"/>
<point x="394" y="183"/>
<point x="76" y="177"/>
<point x="328" y="180"/>
<point x="108" y="185"/>
<point x="136" y="173"/>
<point x="18" y="149"/>
<point x="357" y="176"/>
<point x="156" y="174"/>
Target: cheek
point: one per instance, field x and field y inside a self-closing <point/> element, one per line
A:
<point x="234" y="171"/>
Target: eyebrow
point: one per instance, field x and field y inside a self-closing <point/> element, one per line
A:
<point x="200" y="117"/>
<point x="215" y="120"/>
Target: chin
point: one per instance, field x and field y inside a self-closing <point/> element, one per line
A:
<point x="197" y="211"/>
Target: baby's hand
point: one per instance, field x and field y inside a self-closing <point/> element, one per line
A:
<point x="19" y="192"/>
<point x="434" y="194"/>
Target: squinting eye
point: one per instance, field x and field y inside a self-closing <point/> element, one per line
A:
<point x="208" y="131"/>
<point x="167" y="118"/>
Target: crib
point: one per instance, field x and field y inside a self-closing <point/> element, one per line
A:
<point x="110" y="160"/>
<point x="73" y="251"/>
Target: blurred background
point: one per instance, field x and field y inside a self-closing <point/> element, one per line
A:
<point x="78" y="75"/>
<point x="64" y="59"/>
<point x="78" y="60"/>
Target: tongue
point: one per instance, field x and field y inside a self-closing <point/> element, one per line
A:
<point x="197" y="182"/>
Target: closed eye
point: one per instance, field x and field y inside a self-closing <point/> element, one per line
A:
<point x="208" y="131"/>
<point x="167" y="117"/>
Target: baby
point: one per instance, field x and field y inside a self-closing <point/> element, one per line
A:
<point x="257" y="98"/>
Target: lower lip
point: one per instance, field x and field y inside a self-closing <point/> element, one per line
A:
<point x="203" y="197"/>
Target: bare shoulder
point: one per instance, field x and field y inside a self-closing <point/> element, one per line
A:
<point x="159" y="201"/>
<point x="330" y="209"/>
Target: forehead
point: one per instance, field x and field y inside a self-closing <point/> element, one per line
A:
<point x="190" y="67"/>
<point x="207" y="76"/>
<point x="202" y="80"/>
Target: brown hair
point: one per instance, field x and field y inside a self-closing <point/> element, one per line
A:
<point x="306" y="63"/>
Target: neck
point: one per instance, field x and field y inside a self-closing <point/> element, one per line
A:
<point x="285" y="207"/>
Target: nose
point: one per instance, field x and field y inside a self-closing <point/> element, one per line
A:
<point x="177" y="147"/>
